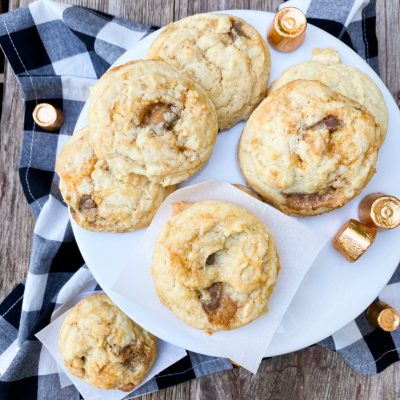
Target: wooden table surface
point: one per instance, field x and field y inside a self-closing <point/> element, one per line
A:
<point x="313" y="373"/>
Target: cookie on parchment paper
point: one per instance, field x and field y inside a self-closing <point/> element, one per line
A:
<point x="101" y="345"/>
<point x="215" y="266"/>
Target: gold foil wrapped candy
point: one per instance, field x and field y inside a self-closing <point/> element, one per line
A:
<point x="380" y="210"/>
<point x="381" y="315"/>
<point x="353" y="239"/>
<point x="288" y="29"/>
<point x="48" y="117"/>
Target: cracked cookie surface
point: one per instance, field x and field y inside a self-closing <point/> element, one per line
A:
<point x="215" y="266"/>
<point x="151" y="119"/>
<point x="101" y="345"/>
<point x="225" y="55"/>
<point x="307" y="149"/>
<point x="325" y="66"/>
<point x="97" y="199"/>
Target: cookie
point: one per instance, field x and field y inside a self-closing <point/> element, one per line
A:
<point x="325" y="66"/>
<point x="97" y="199"/>
<point x="225" y="55"/>
<point x="215" y="266"/>
<point x="307" y="149"/>
<point x="101" y="345"/>
<point x="151" y="119"/>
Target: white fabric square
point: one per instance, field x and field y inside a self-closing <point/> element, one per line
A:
<point x="347" y="335"/>
<point x="78" y="65"/>
<point x="119" y="35"/>
<point x="45" y="11"/>
<point x="76" y="89"/>
<point x="52" y="221"/>
<point x="81" y="281"/>
<point x="355" y="15"/>
<point x="8" y="356"/>
<point x="34" y="292"/>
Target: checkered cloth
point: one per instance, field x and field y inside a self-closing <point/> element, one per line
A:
<point x="57" y="51"/>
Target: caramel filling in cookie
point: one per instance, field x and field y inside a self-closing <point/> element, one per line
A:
<point x="133" y="354"/>
<point x="86" y="203"/>
<point x="220" y="308"/>
<point x="161" y="114"/>
<point x="313" y="201"/>
<point x="88" y="207"/>
<point x="330" y="122"/>
<point x="323" y="198"/>
<point x="210" y="259"/>
<point x="237" y="30"/>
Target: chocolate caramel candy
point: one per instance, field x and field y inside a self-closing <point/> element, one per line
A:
<point x="287" y="30"/>
<point x="353" y="239"/>
<point x="380" y="211"/>
<point x="381" y="315"/>
<point x="48" y="117"/>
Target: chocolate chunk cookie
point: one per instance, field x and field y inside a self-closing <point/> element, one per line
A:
<point x="149" y="118"/>
<point x="325" y="66"/>
<point x="225" y="55"/>
<point x="215" y="266"/>
<point x="101" y="345"/>
<point x="97" y="199"/>
<point x="307" y="149"/>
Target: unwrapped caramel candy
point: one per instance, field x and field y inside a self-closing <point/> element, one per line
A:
<point x="287" y="30"/>
<point x="380" y="210"/>
<point x="381" y="315"/>
<point x="353" y="239"/>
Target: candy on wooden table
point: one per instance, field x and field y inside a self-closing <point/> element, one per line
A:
<point x="380" y="210"/>
<point x="287" y="30"/>
<point x="353" y="239"/>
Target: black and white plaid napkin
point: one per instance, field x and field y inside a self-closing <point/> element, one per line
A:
<point x="57" y="51"/>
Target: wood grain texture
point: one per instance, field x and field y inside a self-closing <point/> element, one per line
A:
<point x="310" y="374"/>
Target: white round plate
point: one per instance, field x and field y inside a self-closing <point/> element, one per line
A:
<point x="334" y="291"/>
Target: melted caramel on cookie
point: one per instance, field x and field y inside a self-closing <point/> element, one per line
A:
<point x="220" y="308"/>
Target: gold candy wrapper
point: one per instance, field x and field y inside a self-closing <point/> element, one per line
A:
<point x="48" y="117"/>
<point x="380" y="210"/>
<point x="288" y="29"/>
<point x="353" y="239"/>
<point x="381" y="315"/>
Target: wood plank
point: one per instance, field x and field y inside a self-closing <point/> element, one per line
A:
<point x="313" y="373"/>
